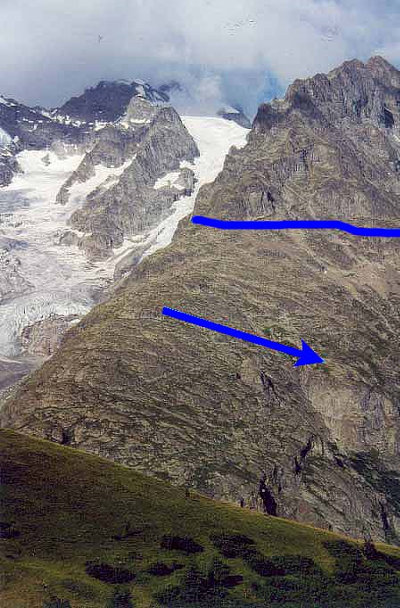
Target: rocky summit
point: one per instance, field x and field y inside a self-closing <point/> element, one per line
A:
<point x="198" y="408"/>
<point x="108" y="100"/>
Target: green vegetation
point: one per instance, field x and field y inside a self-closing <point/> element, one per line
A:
<point x="81" y="532"/>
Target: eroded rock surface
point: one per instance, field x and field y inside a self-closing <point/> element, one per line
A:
<point x="129" y="205"/>
<point x="202" y="409"/>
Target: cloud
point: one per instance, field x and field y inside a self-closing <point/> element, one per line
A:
<point x="51" y="49"/>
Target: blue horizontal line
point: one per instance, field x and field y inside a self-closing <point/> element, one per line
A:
<point x="295" y="224"/>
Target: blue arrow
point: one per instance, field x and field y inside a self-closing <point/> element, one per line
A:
<point x="306" y="355"/>
<point x="294" y="224"/>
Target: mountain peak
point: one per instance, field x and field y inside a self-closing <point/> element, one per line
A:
<point x="109" y="99"/>
<point x="354" y="91"/>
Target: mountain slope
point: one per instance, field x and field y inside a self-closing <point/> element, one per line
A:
<point x="33" y="127"/>
<point x="205" y="410"/>
<point x="73" y="524"/>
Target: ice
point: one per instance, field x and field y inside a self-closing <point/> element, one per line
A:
<point x="62" y="280"/>
<point x="214" y="137"/>
<point x="168" y="181"/>
<point x="5" y="138"/>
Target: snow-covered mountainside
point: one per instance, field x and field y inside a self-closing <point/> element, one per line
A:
<point x="214" y="137"/>
<point x="47" y="281"/>
<point x="74" y="123"/>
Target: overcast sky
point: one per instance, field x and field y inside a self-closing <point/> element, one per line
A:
<point x="242" y="51"/>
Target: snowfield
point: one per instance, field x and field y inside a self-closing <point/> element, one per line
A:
<point x="58" y="279"/>
<point x="214" y="137"/>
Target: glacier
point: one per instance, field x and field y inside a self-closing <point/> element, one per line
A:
<point x="48" y="278"/>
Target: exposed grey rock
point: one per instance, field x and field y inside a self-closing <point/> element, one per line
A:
<point x="109" y="100"/>
<point x="206" y="410"/>
<point x="11" y="280"/>
<point x="12" y="371"/>
<point x="236" y="115"/>
<point x="43" y="338"/>
<point x="139" y="109"/>
<point x="8" y="163"/>
<point x="130" y="205"/>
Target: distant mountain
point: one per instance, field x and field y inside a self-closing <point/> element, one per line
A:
<point x="72" y="123"/>
<point x="33" y="128"/>
<point x="84" y="202"/>
<point x="108" y="100"/>
<point x="25" y="128"/>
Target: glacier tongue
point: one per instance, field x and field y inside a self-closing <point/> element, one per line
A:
<point x="54" y="279"/>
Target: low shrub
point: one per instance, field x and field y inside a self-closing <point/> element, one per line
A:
<point x="162" y="569"/>
<point x="8" y="531"/>
<point x="109" y="574"/>
<point x="232" y="545"/>
<point x="55" y="602"/>
<point x="204" y="588"/>
<point x="121" y="598"/>
<point x="180" y="543"/>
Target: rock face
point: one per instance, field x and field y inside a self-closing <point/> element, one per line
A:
<point x="203" y="409"/>
<point x="44" y="337"/>
<point x="235" y="114"/>
<point x="8" y="163"/>
<point x="33" y="127"/>
<point x="11" y="280"/>
<point x="146" y="143"/>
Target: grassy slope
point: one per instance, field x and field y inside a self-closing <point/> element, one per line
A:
<point x="67" y="506"/>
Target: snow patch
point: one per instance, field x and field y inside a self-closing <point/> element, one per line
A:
<point x="214" y="137"/>
<point x="5" y="138"/>
<point x="229" y="110"/>
<point x="104" y="177"/>
<point x="168" y="180"/>
<point x="129" y="123"/>
<point x="99" y="124"/>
